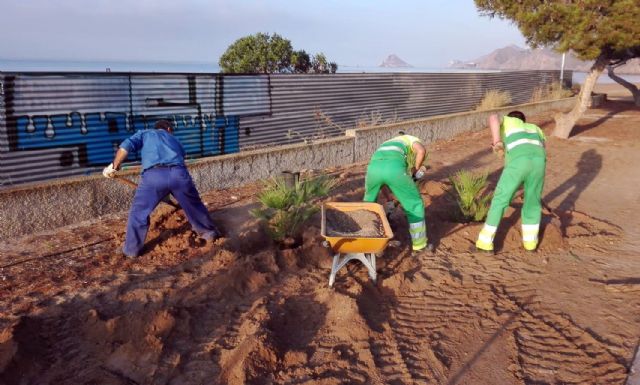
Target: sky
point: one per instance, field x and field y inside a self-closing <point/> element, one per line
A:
<point x="424" y="33"/>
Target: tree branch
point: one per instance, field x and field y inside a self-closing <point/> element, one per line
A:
<point x="626" y="84"/>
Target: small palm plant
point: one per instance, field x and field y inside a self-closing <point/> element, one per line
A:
<point x="471" y="195"/>
<point x="285" y="207"/>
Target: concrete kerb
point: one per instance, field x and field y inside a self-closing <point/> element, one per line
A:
<point x="44" y="206"/>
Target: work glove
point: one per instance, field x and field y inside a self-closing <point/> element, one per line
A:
<point x="109" y="171"/>
<point x="498" y="149"/>
<point x="420" y="173"/>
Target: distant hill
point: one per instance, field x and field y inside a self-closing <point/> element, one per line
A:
<point x="515" y="58"/>
<point x="393" y="61"/>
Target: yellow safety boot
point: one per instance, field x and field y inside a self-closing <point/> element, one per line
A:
<point x="530" y="245"/>
<point x="485" y="238"/>
<point x="484" y="246"/>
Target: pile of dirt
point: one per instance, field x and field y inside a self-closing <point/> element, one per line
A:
<point x="353" y="223"/>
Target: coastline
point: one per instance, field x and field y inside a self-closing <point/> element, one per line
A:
<point x="13" y="65"/>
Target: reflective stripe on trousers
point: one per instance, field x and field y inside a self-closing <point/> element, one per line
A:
<point x="418" y="233"/>
<point x="487" y="234"/>
<point x="530" y="233"/>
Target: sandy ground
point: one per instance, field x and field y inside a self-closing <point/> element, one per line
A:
<point x="242" y="311"/>
<point x="614" y="91"/>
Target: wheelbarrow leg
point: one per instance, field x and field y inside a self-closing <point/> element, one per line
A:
<point x="334" y="269"/>
<point x="371" y="258"/>
<point x="367" y="259"/>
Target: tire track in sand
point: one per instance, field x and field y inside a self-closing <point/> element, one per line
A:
<point x="552" y="348"/>
<point x="440" y="300"/>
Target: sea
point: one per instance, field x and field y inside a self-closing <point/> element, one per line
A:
<point x="14" y="65"/>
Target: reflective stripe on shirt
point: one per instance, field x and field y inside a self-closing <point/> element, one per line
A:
<point x="390" y="148"/>
<point x="523" y="141"/>
<point x="516" y="132"/>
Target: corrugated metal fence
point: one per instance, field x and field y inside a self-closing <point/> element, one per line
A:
<point x="317" y="106"/>
<point x="62" y="124"/>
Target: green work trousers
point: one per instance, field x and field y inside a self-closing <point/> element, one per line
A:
<point x="527" y="170"/>
<point x="393" y="173"/>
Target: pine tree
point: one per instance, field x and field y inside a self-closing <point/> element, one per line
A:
<point x="264" y="53"/>
<point x="607" y="31"/>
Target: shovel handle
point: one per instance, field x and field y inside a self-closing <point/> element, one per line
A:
<point x="131" y="184"/>
<point x="126" y="181"/>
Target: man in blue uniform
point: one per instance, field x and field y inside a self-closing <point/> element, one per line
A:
<point x="163" y="172"/>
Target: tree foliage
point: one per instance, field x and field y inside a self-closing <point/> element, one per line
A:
<point x="263" y="53"/>
<point x="590" y="28"/>
<point x="301" y="62"/>
<point x="259" y="53"/>
<point x="320" y="65"/>
<point x="607" y="31"/>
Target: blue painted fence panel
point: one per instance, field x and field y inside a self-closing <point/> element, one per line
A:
<point x="64" y="124"/>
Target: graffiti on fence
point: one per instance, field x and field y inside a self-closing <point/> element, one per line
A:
<point x="62" y="124"/>
<point x="97" y="135"/>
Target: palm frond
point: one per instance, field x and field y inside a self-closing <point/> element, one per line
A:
<point x="286" y="208"/>
<point x="471" y="196"/>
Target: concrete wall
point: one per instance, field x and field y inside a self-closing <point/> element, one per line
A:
<point x="43" y="206"/>
<point x="429" y="130"/>
<point x="250" y="166"/>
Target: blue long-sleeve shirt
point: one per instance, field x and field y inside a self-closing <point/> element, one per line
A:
<point x="155" y="147"/>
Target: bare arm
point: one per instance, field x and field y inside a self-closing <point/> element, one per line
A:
<point x="420" y="152"/>
<point x="121" y="155"/>
<point x="494" y="126"/>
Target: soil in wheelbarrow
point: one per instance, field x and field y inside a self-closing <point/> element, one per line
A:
<point x="356" y="223"/>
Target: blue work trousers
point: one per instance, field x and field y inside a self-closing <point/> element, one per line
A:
<point x="155" y="184"/>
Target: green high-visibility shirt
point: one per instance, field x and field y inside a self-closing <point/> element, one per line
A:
<point x="521" y="138"/>
<point x="399" y="147"/>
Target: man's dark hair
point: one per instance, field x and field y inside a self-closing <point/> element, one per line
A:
<point x="163" y="124"/>
<point x="517" y="114"/>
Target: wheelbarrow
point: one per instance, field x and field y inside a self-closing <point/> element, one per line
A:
<point x="347" y="248"/>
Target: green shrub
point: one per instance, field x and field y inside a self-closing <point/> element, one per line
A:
<point x="539" y="94"/>
<point x="556" y="91"/>
<point x="552" y="91"/>
<point x="494" y="99"/>
<point x="286" y="207"/>
<point x="471" y="195"/>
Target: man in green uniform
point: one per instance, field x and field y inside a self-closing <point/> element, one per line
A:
<point x="524" y="165"/>
<point x="395" y="164"/>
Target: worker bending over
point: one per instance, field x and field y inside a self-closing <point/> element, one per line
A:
<point x="163" y="172"/>
<point x="395" y="164"/>
<point x="525" y="161"/>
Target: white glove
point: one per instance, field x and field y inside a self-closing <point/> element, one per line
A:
<point x="109" y="171"/>
<point x="422" y="171"/>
